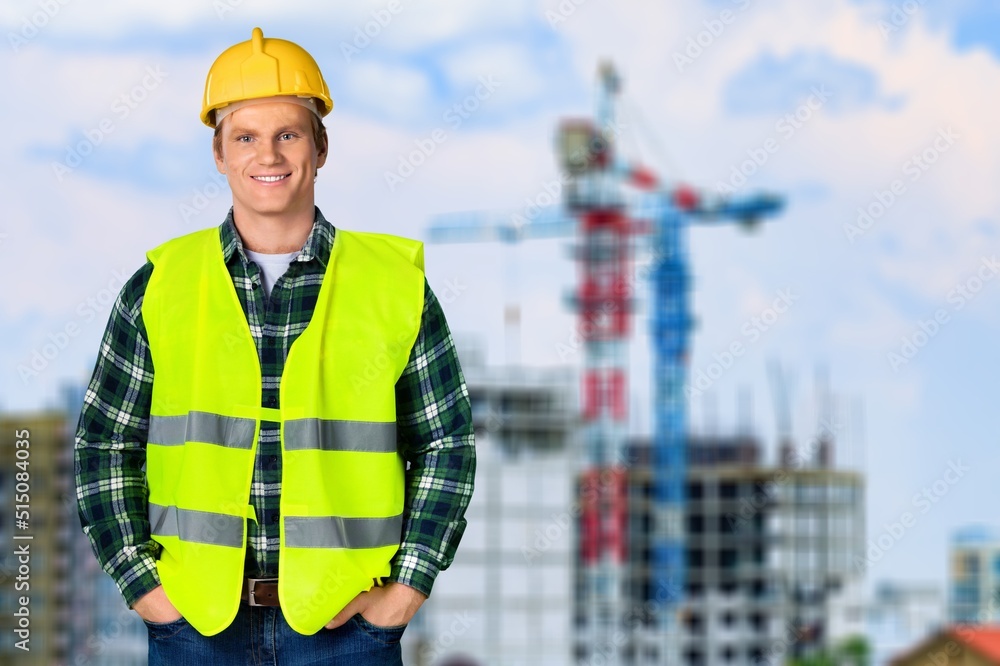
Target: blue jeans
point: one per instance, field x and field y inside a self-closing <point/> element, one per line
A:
<point x="260" y="636"/>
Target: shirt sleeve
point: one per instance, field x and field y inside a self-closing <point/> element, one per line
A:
<point x="436" y="437"/>
<point x="110" y="449"/>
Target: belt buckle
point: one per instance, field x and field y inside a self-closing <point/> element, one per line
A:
<point x="251" y="582"/>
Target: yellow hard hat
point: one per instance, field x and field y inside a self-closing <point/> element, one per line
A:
<point x="263" y="68"/>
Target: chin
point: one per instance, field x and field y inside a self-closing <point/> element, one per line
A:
<point x="271" y="207"/>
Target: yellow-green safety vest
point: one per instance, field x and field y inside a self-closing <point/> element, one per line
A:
<point x="342" y="478"/>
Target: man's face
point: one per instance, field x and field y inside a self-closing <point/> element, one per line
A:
<point x="270" y="158"/>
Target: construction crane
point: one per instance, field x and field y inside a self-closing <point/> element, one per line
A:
<point x="609" y="222"/>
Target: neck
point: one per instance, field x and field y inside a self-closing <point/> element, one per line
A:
<point x="273" y="234"/>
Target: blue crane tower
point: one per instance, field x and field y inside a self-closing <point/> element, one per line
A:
<point x="607" y="220"/>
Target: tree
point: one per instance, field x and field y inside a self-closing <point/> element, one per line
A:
<point x="852" y="651"/>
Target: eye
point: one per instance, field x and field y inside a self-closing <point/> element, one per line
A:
<point x="244" y="138"/>
<point x="286" y="136"/>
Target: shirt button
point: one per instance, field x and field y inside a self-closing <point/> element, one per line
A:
<point x="274" y="518"/>
<point x="271" y="401"/>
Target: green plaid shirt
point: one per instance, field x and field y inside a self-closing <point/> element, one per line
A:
<point x="434" y="425"/>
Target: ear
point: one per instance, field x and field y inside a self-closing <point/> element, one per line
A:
<point x="220" y="162"/>
<point x="322" y="151"/>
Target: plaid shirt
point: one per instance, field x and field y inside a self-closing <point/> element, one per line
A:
<point x="434" y="426"/>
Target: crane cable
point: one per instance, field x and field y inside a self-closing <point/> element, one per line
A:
<point x="633" y="112"/>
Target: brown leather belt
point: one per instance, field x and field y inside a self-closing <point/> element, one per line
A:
<point x="260" y="591"/>
<point x="264" y="591"/>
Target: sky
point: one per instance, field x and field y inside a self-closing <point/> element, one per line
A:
<point x="873" y="119"/>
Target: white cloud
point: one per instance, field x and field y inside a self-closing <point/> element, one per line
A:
<point x="510" y="65"/>
<point x="402" y="24"/>
<point x="400" y="93"/>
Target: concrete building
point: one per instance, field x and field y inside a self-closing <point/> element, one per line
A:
<point x="901" y="615"/>
<point x="35" y="471"/>
<point x="771" y="550"/>
<point x="770" y="554"/>
<point x="974" y="597"/>
<point x="507" y="598"/>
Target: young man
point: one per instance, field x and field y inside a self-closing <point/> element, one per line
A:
<point x="286" y="485"/>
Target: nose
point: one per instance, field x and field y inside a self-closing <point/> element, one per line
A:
<point x="268" y="153"/>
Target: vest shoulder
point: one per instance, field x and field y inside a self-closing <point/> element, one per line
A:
<point x="409" y="248"/>
<point x="184" y="244"/>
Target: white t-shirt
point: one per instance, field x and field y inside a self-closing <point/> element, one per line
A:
<point x="272" y="266"/>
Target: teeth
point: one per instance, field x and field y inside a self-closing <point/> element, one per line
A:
<point x="269" y="179"/>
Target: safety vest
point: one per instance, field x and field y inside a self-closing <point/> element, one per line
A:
<point x="342" y="479"/>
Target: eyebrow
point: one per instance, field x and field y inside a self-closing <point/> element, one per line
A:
<point x="236" y="130"/>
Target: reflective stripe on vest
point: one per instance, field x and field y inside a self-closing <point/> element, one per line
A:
<point x="338" y="532"/>
<point x="196" y="526"/>
<point x="299" y="433"/>
<point x="342" y="478"/>
<point x="325" y="435"/>
<point x="201" y="427"/>
<point x="320" y="532"/>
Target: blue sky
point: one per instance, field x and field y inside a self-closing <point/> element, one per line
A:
<point x="124" y="86"/>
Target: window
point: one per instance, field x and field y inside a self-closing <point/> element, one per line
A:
<point x="727" y="490"/>
<point x="695" y="623"/>
<point x="694" y="657"/>
<point x="758" y="588"/>
<point x="732" y="523"/>
<point x="968" y="564"/>
<point x="966" y="616"/>
<point x="646" y="523"/>
<point x="696" y="524"/>
<point x="966" y="593"/>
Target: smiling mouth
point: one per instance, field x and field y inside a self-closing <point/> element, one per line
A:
<point x="270" y="179"/>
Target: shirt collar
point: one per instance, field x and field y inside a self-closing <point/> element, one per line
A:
<point x="317" y="246"/>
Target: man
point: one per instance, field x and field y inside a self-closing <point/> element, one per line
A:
<point x="288" y="483"/>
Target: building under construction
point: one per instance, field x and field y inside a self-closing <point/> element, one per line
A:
<point x="770" y="555"/>
<point x="770" y="549"/>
